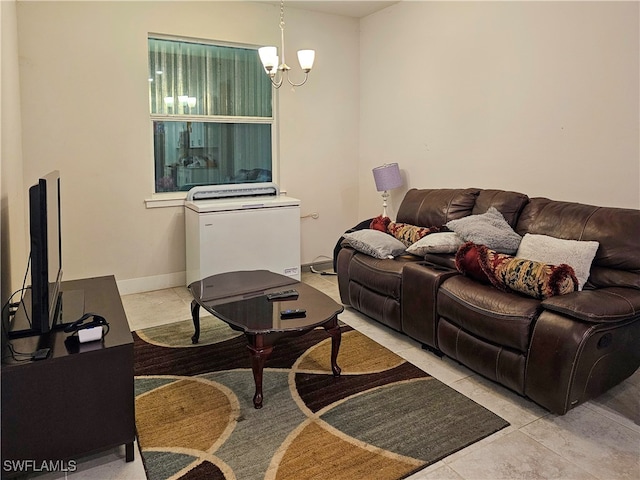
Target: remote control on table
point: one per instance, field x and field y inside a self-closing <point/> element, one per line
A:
<point x="282" y="295"/>
<point x="293" y="313"/>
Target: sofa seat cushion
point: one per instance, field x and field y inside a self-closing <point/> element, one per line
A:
<point x="383" y="276"/>
<point x="501" y="318"/>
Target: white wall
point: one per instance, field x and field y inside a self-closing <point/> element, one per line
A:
<point x="537" y="97"/>
<point x="13" y="228"/>
<point x="84" y="91"/>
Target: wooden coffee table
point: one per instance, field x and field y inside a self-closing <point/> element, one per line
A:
<point x="240" y="299"/>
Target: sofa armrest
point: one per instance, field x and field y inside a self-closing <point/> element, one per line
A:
<point x="603" y="305"/>
<point x="420" y="284"/>
<point x="571" y="361"/>
<point x="361" y="226"/>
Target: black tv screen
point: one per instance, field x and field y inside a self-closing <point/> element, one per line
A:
<point x="46" y="252"/>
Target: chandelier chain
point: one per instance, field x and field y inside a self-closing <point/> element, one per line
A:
<point x="282" y="14"/>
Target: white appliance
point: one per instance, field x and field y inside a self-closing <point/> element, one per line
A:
<point x="247" y="226"/>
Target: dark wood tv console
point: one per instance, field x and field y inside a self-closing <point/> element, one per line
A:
<point x="77" y="401"/>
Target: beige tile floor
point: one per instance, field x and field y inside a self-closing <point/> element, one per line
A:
<point x="597" y="440"/>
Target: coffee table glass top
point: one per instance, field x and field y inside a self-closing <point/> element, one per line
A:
<point x="244" y="305"/>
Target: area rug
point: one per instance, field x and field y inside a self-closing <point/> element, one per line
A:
<point x="383" y="418"/>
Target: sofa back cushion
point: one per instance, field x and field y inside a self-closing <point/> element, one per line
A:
<point x="509" y="204"/>
<point x="617" y="261"/>
<point x="435" y="207"/>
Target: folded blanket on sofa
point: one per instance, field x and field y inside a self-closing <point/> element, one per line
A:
<point x="508" y="273"/>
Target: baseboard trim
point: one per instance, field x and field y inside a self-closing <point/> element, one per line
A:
<point x="148" y="284"/>
<point x="179" y="279"/>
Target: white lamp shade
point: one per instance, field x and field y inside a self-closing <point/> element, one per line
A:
<point x="268" y="57"/>
<point x="306" y="59"/>
<point x="387" y="177"/>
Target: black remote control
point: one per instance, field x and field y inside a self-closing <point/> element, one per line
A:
<point x="282" y="295"/>
<point x="293" y="313"/>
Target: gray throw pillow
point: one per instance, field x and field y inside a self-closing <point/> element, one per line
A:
<point x="490" y="229"/>
<point x="441" y="242"/>
<point x="375" y="243"/>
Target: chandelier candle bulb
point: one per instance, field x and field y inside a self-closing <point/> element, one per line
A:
<point x="306" y="59"/>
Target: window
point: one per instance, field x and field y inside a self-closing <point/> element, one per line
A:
<point x="211" y="112"/>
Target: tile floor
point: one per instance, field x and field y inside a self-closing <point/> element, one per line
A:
<point x="596" y="440"/>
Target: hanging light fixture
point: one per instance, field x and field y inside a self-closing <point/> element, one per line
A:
<point x="269" y="59"/>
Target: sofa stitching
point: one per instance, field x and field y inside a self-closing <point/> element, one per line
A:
<point x="574" y="366"/>
<point x="584" y="226"/>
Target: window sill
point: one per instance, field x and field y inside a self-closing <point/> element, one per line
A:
<point x="163" y="200"/>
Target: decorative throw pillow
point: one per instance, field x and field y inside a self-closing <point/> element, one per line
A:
<point x="441" y="242"/>
<point x="543" y="248"/>
<point x="468" y="262"/>
<point x="507" y="273"/>
<point x="410" y="234"/>
<point x="490" y="229"/>
<point x="375" y="243"/>
<point x="380" y="223"/>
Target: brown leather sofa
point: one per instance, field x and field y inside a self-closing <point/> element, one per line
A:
<point x="559" y="352"/>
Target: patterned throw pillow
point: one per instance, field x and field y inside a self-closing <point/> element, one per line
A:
<point x="468" y="262"/>
<point x="410" y="234"/>
<point x="507" y="273"/>
<point x="380" y="223"/>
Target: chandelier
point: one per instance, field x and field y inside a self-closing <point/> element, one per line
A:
<point x="277" y="72"/>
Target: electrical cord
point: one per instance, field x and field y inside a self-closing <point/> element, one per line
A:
<point x="16" y="305"/>
<point x="320" y="272"/>
<point x="8" y="305"/>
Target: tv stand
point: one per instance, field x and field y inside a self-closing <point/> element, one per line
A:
<point x="80" y="399"/>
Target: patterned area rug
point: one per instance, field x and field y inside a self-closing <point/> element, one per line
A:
<point x="383" y="418"/>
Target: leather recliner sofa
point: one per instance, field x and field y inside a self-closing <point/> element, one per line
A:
<point x="558" y="352"/>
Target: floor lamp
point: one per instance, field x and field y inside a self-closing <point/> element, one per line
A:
<point x="387" y="178"/>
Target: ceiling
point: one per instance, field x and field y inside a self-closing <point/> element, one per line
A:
<point x="351" y="8"/>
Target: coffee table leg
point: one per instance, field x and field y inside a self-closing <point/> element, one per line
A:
<point x="195" y="315"/>
<point x="333" y="329"/>
<point x="259" y="354"/>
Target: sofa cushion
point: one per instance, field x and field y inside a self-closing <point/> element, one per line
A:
<point x="441" y="242"/>
<point x="509" y="204"/>
<point x="375" y="243"/>
<point x="436" y="206"/>
<point x="546" y="249"/>
<point x="498" y="317"/>
<point x="490" y="229"/>
<point x="617" y="261"/>
<point x="383" y="276"/>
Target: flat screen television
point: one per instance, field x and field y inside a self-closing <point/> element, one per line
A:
<point x="46" y="252"/>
